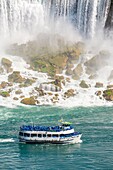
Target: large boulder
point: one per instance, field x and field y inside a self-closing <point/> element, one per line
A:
<point x="29" y="101"/>
<point x="108" y="94"/>
<point x="49" y="53"/>
<point x="77" y="72"/>
<point x="59" y="61"/>
<point x="75" y="50"/>
<point x="27" y="82"/>
<point x="3" y="84"/>
<point x="83" y="84"/>
<point x="43" y="65"/>
<point x="4" y="93"/>
<point x="97" y="62"/>
<point x="7" y="64"/>
<point x="15" y="77"/>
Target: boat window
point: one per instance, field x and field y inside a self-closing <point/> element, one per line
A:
<point x="55" y="136"/>
<point x="26" y="134"/>
<point x="49" y="135"/>
<point x="44" y="135"/>
<point x="33" y="135"/>
<point x="39" y="135"/>
<point x="67" y="135"/>
<point x="20" y="134"/>
<point x="62" y="135"/>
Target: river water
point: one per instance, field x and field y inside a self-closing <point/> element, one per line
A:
<point x="95" y="152"/>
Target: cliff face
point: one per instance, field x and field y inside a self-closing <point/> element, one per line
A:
<point x="109" y="21"/>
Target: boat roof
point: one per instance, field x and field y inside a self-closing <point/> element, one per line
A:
<point x="66" y="123"/>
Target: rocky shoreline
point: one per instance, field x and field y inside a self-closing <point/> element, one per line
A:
<point x="58" y="68"/>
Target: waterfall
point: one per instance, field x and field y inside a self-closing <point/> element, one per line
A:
<point x="33" y="15"/>
<point x="20" y="15"/>
<point x="86" y="15"/>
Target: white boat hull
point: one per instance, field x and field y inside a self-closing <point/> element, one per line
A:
<point x="67" y="140"/>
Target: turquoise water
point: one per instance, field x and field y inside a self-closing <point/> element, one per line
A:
<point x="94" y="153"/>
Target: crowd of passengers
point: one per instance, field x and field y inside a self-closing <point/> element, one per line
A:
<point x="44" y="128"/>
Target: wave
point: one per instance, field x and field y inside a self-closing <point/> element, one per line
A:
<point x="7" y="140"/>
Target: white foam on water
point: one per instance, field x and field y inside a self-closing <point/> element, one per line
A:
<point x="80" y="141"/>
<point x="7" y="140"/>
<point x="83" y="97"/>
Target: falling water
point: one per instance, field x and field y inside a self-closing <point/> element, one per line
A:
<point x="84" y="14"/>
<point x="18" y="15"/>
<point x="32" y="15"/>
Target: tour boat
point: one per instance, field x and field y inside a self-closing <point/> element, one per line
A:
<point x="61" y="134"/>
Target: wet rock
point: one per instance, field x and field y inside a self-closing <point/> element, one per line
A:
<point x="69" y="65"/>
<point x="69" y="71"/>
<point x="15" y="98"/>
<point x="1" y="70"/>
<point x="93" y="76"/>
<point x="97" y="62"/>
<point x="110" y="86"/>
<point x="69" y="93"/>
<point x="98" y="93"/>
<point x="19" y="91"/>
<point x="27" y="82"/>
<point x="29" y="101"/>
<point x="108" y="94"/>
<point x="50" y="94"/>
<point x="40" y="91"/>
<point x="55" y="99"/>
<point x="22" y="96"/>
<point x="15" y="77"/>
<point x="59" y="61"/>
<point x="52" y="56"/>
<point x="7" y="64"/>
<point x="83" y="84"/>
<point x="59" y="80"/>
<point x="4" y="84"/>
<point x="68" y="79"/>
<point x="75" y="50"/>
<point x="4" y="93"/>
<point x="98" y="85"/>
<point x="77" y="72"/>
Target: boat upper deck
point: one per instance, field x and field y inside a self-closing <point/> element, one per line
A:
<point x="46" y="128"/>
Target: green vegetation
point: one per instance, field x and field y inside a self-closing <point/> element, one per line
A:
<point x="4" y="94"/>
<point x="108" y="92"/>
